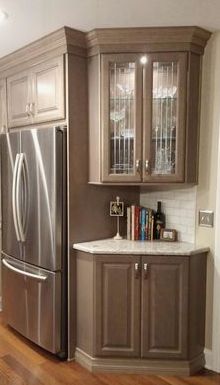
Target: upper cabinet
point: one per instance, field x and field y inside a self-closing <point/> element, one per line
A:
<point x="37" y="94"/>
<point x="144" y="106"/>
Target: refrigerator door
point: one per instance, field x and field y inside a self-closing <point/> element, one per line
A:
<point x="10" y="152"/>
<point x="32" y="302"/>
<point x="41" y="212"/>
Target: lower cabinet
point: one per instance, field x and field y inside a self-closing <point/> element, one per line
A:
<point x="117" y="311"/>
<point x="164" y="307"/>
<point x="149" y="308"/>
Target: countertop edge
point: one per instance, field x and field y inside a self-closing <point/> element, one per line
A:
<point x="105" y="250"/>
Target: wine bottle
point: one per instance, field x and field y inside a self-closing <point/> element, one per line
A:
<point x="159" y="221"/>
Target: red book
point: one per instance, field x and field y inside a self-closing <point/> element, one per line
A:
<point x="137" y="223"/>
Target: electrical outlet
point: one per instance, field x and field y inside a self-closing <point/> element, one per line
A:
<point x="206" y="218"/>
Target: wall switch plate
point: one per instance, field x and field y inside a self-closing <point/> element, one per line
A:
<point x="206" y="218"/>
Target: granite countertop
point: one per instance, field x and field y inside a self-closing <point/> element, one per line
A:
<point x="111" y="246"/>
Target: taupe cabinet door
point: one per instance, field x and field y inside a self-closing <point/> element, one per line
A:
<point x="121" y="94"/>
<point x="164" y="117"/>
<point x="164" y="307"/>
<point x="19" y="96"/>
<point x="117" y="293"/>
<point x="3" y="109"/>
<point x="36" y="95"/>
<point x="48" y="91"/>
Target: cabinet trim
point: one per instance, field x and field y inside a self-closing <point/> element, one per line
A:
<point x="150" y="39"/>
<point x="140" y="366"/>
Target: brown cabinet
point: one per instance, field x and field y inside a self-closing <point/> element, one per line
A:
<point x="3" y="113"/>
<point x="142" y="307"/>
<point x="164" y="307"/>
<point x="117" y="293"/>
<point x="144" y="108"/>
<point x="36" y="95"/>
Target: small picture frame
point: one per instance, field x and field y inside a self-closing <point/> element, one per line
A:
<point x="116" y="209"/>
<point x="169" y="235"/>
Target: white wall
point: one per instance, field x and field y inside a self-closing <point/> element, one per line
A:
<point x="209" y="166"/>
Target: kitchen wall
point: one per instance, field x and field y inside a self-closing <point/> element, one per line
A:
<point x="208" y="166"/>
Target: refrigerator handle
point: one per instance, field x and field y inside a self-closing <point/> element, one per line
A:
<point x="14" y="185"/>
<point x="18" y="205"/>
<point x="25" y="273"/>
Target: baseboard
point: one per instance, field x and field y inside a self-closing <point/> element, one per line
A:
<point x="208" y="359"/>
<point x="140" y="366"/>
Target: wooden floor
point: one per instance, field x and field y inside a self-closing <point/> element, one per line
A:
<point x="22" y="363"/>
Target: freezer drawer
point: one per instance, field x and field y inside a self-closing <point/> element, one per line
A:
<point x="32" y="302"/>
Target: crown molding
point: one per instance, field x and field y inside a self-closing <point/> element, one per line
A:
<point x="61" y="41"/>
<point x="149" y="39"/>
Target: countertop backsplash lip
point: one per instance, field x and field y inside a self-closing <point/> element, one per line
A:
<point x="112" y="246"/>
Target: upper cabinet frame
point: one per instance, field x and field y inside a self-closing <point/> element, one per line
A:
<point x="164" y="134"/>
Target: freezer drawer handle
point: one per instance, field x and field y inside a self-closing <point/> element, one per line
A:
<point x="25" y="273"/>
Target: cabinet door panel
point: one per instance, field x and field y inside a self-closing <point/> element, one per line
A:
<point x="164" y="117"/>
<point x="121" y="110"/>
<point x="164" y="307"/>
<point x="117" y="307"/>
<point x="19" y="95"/>
<point x="3" y="109"/>
<point x="48" y="91"/>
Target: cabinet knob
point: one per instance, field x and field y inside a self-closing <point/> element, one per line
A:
<point x="147" y="166"/>
<point x="138" y="166"/>
<point x="145" y="270"/>
<point x="136" y="270"/>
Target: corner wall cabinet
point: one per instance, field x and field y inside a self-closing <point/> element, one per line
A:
<point x="143" y="308"/>
<point x="145" y="129"/>
<point x="36" y="95"/>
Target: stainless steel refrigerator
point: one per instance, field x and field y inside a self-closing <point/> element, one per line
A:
<point x="33" y="170"/>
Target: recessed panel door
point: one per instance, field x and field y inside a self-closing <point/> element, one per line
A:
<point x="117" y="293"/>
<point x="164" y="307"/>
<point x="48" y="91"/>
<point x="19" y="97"/>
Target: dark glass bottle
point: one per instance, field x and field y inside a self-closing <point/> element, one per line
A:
<point x="159" y="221"/>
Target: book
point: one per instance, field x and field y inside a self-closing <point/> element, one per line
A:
<point x="137" y="223"/>
<point x="143" y="224"/>
<point x="128" y="223"/>
<point x="132" y="221"/>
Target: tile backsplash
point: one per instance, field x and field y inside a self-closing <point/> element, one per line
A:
<point x="179" y="207"/>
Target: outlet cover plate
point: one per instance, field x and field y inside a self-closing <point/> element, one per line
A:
<point x="206" y="218"/>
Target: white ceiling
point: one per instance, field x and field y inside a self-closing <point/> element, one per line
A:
<point x="30" y="19"/>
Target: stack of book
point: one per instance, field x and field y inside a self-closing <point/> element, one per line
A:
<point x="140" y="223"/>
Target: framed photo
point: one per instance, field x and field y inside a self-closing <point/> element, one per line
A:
<point x="116" y="209"/>
<point x="169" y="235"/>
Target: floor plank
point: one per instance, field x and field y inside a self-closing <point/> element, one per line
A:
<point x="23" y="363"/>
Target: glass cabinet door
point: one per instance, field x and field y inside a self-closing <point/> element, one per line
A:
<point x="121" y="108"/>
<point x="164" y="117"/>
